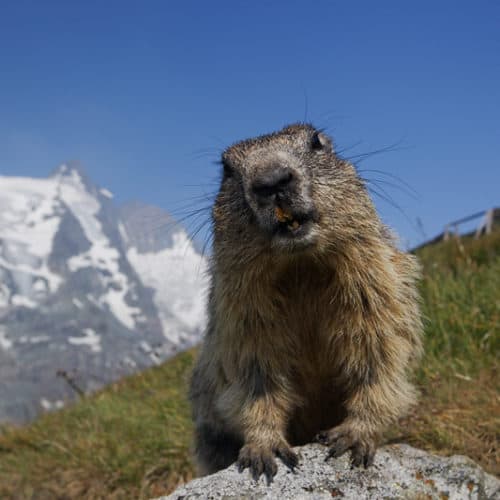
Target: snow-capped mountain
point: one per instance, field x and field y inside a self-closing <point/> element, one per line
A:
<point x="89" y="292"/>
<point x="159" y="248"/>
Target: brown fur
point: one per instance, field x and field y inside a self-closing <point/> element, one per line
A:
<point x="304" y="341"/>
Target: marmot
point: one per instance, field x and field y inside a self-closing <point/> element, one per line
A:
<point x="313" y="311"/>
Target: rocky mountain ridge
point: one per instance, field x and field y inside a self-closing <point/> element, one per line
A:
<point x="89" y="291"/>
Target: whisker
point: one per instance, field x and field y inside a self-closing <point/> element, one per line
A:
<point x="393" y="185"/>
<point x="382" y="190"/>
<point x="205" y="153"/>
<point x="192" y="217"/>
<point x="393" y="204"/>
<point x="181" y="209"/>
<point x="388" y="174"/>
<point x="208" y="241"/>
<point x="386" y="149"/>
<point x="348" y="148"/>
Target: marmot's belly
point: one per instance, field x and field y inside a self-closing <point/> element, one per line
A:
<point x="320" y="410"/>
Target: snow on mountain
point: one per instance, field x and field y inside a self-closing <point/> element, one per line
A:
<point x="168" y="262"/>
<point x="87" y="288"/>
<point x="101" y="254"/>
<point x="29" y="219"/>
<point x="90" y="339"/>
<point x="178" y="276"/>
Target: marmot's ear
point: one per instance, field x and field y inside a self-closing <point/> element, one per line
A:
<point x="320" y="141"/>
<point x="227" y="169"/>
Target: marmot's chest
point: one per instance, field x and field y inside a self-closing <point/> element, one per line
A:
<point x="306" y="306"/>
<point x="307" y="320"/>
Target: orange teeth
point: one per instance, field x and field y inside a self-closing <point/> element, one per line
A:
<point x="283" y="216"/>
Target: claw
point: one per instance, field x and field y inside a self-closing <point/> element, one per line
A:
<point x="343" y="438"/>
<point x="288" y="457"/>
<point x="368" y="459"/>
<point x="270" y="469"/>
<point x="256" y="467"/>
<point x="357" y="457"/>
<point x="260" y="460"/>
<point x="243" y="463"/>
<point x="338" y="448"/>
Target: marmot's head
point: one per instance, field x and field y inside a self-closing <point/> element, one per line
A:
<point x="288" y="191"/>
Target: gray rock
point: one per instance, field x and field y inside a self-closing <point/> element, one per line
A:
<point x="400" y="471"/>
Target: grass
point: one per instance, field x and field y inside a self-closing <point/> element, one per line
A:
<point x="132" y="440"/>
<point x="459" y="408"/>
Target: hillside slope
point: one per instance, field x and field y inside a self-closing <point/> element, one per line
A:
<point x="132" y="440"/>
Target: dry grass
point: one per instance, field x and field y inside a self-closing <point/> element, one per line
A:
<point x="132" y="440"/>
<point x="457" y="416"/>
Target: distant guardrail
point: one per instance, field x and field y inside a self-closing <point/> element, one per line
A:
<point x="485" y="226"/>
<point x="489" y="219"/>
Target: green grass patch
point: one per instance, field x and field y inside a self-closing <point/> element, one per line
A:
<point x="461" y="305"/>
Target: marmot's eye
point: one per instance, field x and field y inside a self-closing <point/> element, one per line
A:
<point x="316" y="142"/>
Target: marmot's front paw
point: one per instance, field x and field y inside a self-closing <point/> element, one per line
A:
<point x="342" y="438"/>
<point x="260" y="459"/>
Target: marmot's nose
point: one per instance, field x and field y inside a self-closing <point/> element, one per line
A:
<point x="273" y="181"/>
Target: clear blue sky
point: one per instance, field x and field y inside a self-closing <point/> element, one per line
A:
<point x="145" y="94"/>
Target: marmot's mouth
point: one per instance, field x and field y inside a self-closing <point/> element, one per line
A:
<point x="286" y="218"/>
<point x="292" y="224"/>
